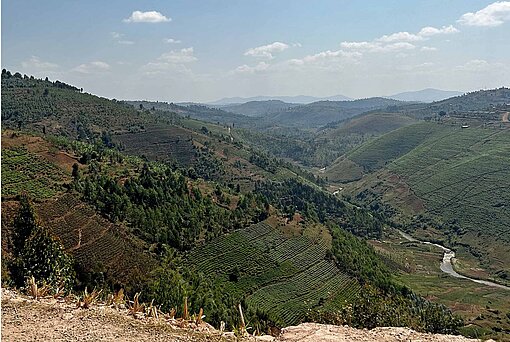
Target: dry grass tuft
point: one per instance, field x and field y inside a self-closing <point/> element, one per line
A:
<point x="35" y="291"/>
<point x="88" y="298"/>
<point x="135" y="306"/>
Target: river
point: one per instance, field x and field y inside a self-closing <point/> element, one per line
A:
<point x="447" y="266"/>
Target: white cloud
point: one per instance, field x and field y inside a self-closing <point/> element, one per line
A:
<point x="376" y="46"/>
<point x="416" y="67"/>
<point x="34" y="63"/>
<point x="494" y="14"/>
<point x="173" y="61"/>
<point x="172" y="41"/>
<point x="92" y="67"/>
<point x="246" y="69"/>
<point x="178" y="57"/>
<point x="117" y="36"/>
<point x="266" y="51"/>
<point x="147" y="17"/>
<point x="475" y="65"/>
<point x="428" y="48"/>
<point x="400" y="37"/>
<point x="432" y="31"/>
<point x="399" y="41"/>
<point x="326" y="57"/>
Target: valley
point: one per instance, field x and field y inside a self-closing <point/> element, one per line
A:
<point x="293" y="220"/>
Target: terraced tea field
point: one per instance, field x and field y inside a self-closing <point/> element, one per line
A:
<point x="284" y="274"/>
<point x="23" y="171"/>
<point x="458" y="175"/>
<point x="163" y="144"/>
<point x="377" y="153"/>
<point x="95" y="243"/>
<point x="463" y="177"/>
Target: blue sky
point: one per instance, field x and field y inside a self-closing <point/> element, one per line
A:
<point x="204" y="50"/>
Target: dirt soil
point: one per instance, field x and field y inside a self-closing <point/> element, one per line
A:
<point x="26" y="319"/>
<point x="328" y="333"/>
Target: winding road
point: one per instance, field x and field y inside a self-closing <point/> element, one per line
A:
<point x="447" y="266"/>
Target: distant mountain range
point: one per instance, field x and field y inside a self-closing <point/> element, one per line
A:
<point x="425" y="95"/>
<point x="258" y="108"/>
<point x="299" y="99"/>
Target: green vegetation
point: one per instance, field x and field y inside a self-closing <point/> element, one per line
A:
<point x="37" y="254"/>
<point x="377" y="153"/>
<point x="317" y="205"/>
<point x="106" y="254"/>
<point x="284" y="274"/>
<point x="57" y="108"/>
<point x="177" y="208"/>
<point x="459" y="175"/>
<point x="461" y="178"/>
<point x="162" y="208"/>
<point x="23" y="171"/>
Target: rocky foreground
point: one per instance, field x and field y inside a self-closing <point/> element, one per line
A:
<point x="49" y="319"/>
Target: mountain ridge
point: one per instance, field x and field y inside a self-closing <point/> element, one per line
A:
<point x="425" y="95"/>
<point x="299" y="99"/>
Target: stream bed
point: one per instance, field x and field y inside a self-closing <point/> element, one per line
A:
<point x="447" y="266"/>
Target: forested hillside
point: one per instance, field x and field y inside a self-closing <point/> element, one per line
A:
<point x="127" y="205"/>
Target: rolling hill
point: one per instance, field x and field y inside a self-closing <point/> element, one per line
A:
<point x="480" y="105"/>
<point x="323" y="112"/>
<point x="259" y="108"/>
<point x="455" y="175"/>
<point x="425" y="95"/>
<point x="300" y="99"/>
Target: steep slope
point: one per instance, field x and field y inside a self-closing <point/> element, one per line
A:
<point x="281" y="270"/>
<point x="459" y="175"/>
<point x="58" y="108"/>
<point x="113" y="200"/>
<point x="31" y="165"/>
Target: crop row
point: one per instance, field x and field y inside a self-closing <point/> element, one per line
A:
<point x="290" y="300"/>
<point x="238" y="240"/>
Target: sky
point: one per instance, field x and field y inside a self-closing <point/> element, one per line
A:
<point x="183" y="50"/>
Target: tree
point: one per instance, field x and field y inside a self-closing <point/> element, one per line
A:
<point x="24" y="224"/>
<point x="44" y="259"/>
<point x="76" y="172"/>
<point x="36" y="253"/>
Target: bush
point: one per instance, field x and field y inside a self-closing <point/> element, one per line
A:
<point x="37" y="254"/>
